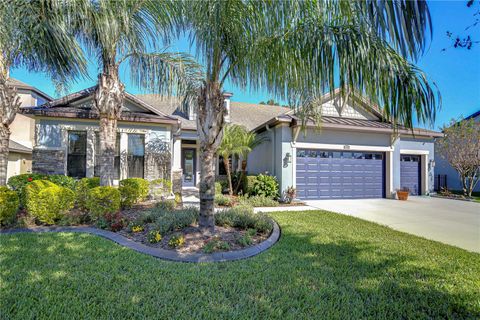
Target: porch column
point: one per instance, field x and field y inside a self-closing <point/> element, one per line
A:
<point x="177" y="153"/>
<point x="91" y="144"/>
<point x="123" y="155"/>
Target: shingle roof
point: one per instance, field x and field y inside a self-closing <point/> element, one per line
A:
<point x="250" y="115"/>
<point x="14" y="146"/>
<point x="473" y="115"/>
<point x="22" y="85"/>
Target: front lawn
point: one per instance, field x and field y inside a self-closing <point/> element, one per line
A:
<point x="325" y="266"/>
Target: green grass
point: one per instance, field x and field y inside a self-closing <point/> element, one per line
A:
<point x="325" y="266"/>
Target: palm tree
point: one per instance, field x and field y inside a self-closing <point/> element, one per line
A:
<point x="232" y="145"/>
<point x="34" y="34"/>
<point x="248" y="140"/>
<point x="117" y="32"/>
<point x="297" y="50"/>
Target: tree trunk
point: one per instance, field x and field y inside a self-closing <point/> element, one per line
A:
<point x="243" y="173"/>
<point x="226" y="163"/>
<point x="210" y="122"/>
<point x="4" y="137"/>
<point x="109" y="103"/>
<point x="9" y="106"/>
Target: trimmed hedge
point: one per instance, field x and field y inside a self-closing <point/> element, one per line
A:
<point x="19" y="182"/>
<point x="102" y="201"/>
<point x="133" y="190"/>
<point x="48" y="202"/>
<point x="83" y="187"/>
<point x="8" y="205"/>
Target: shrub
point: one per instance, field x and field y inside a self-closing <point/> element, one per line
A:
<point x="8" y="205"/>
<point x="178" y="199"/>
<point x="216" y="245"/>
<point x="248" y="184"/>
<point x="259" y="201"/>
<point x="48" y="202"/>
<point x="160" y="188"/>
<point x="266" y="186"/>
<point x="133" y="190"/>
<point x="242" y="217"/>
<point x="218" y="188"/>
<point x="245" y="240"/>
<point x="154" y="236"/>
<point x="83" y="187"/>
<point x="74" y="217"/>
<point x="62" y="181"/>
<point x="222" y="200"/>
<point x="177" y="240"/>
<point x="168" y="205"/>
<point x="168" y="221"/>
<point x="112" y="221"/>
<point x="101" y="201"/>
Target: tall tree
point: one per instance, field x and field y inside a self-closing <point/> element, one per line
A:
<point x="127" y="31"/>
<point x="461" y="148"/>
<point x="35" y="35"/>
<point x="297" y="50"/>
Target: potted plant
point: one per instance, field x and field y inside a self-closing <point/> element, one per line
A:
<point x="403" y="193"/>
<point x="289" y="195"/>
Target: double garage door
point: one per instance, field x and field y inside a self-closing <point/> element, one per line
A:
<point x="325" y="174"/>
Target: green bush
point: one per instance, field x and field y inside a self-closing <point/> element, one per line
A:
<point x="19" y="182"/>
<point x="242" y="217"/>
<point x="8" y="205"/>
<point x="223" y="200"/>
<point x="168" y="205"/>
<point x="245" y="240"/>
<point x="218" y="188"/>
<point x="160" y="188"/>
<point x="102" y="201"/>
<point x="133" y="190"/>
<point x="259" y="201"/>
<point x="216" y="245"/>
<point x="177" y="240"/>
<point x="47" y="202"/>
<point x="265" y="186"/>
<point x="168" y="221"/>
<point x="248" y="184"/>
<point x="83" y="187"/>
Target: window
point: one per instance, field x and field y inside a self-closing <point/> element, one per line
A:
<point x="136" y="155"/>
<point x="117" y="157"/>
<point x="77" y="154"/>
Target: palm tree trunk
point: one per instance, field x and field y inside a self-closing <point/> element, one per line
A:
<point x="210" y="122"/>
<point x="226" y="163"/>
<point x="243" y="173"/>
<point x="9" y="106"/>
<point x="109" y="103"/>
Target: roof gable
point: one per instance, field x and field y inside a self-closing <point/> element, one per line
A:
<point x="353" y="107"/>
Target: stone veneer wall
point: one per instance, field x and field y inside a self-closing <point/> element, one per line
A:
<point x="48" y="161"/>
<point x="157" y="166"/>
<point x="177" y="180"/>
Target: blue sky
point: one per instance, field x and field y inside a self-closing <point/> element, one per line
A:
<point x="455" y="71"/>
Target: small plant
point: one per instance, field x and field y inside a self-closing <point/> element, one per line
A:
<point x="112" y="221"/>
<point x="168" y="205"/>
<point x="223" y="200"/>
<point x="215" y="244"/>
<point x="137" y="228"/>
<point x="160" y="188"/>
<point x="102" y="200"/>
<point x="133" y="190"/>
<point x="8" y="205"/>
<point x="265" y="185"/>
<point x="290" y="194"/>
<point x="258" y="201"/>
<point x="154" y="236"/>
<point x="176" y="241"/>
<point x="218" y="188"/>
<point x="245" y="240"/>
<point x="168" y="221"/>
<point x="82" y="189"/>
<point x="178" y="199"/>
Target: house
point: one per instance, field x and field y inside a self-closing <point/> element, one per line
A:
<point x="23" y="129"/>
<point x="353" y="153"/>
<point x="445" y="175"/>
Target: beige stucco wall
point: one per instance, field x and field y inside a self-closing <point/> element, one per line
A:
<point x="23" y="130"/>
<point x="18" y="163"/>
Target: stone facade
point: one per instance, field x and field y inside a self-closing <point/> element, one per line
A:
<point x="157" y="166"/>
<point x="48" y="161"/>
<point x="177" y="178"/>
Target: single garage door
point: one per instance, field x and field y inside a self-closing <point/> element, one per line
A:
<point x="410" y="173"/>
<point x="325" y="174"/>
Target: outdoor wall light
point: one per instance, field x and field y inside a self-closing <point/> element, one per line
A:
<point x="432" y="163"/>
<point x="288" y="157"/>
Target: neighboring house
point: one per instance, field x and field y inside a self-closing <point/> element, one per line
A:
<point x="352" y="154"/>
<point x="23" y="129"/>
<point x="445" y="175"/>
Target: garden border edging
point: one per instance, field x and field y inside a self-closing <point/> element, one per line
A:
<point x="162" y="253"/>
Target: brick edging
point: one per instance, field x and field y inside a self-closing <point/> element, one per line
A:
<point x="163" y="253"/>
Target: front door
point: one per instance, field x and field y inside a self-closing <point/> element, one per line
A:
<point x="188" y="167"/>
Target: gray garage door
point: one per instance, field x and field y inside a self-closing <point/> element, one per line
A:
<point x="410" y="173"/>
<point x="340" y="175"/>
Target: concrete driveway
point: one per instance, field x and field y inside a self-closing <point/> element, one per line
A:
<point x="449" y="221"/>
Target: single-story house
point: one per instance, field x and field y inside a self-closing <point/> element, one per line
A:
<point x="353" y="153"/>
<point x="445" y="175"/>
<point x="23" y="129"/>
